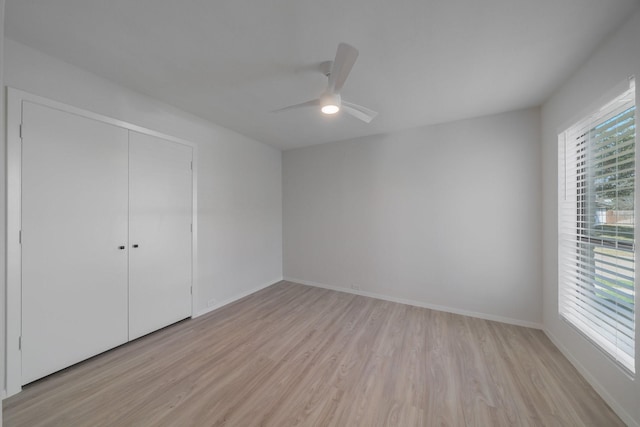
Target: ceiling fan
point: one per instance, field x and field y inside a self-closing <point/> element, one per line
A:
<point x="337" y="71"/>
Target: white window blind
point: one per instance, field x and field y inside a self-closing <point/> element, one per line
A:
<point x="597" y="228"/>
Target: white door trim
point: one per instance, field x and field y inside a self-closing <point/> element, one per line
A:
<point x="15" y="98"/>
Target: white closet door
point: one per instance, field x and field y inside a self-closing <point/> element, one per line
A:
<point x="74" y="221"/>
<point x="160" y="215"/>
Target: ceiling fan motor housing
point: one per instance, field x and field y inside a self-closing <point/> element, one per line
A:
<point x="330" y="103"/>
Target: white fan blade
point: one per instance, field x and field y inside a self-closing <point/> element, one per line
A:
<point x="358" y="111"/>
<point x="312" y="103"/>
<point x="345" y="58"/>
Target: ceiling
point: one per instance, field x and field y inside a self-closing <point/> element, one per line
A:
<point x="235" y="61"/>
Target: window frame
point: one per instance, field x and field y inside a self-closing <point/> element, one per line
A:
<point x="584" y="225"/>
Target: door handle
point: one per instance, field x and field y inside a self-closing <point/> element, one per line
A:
<point x="121" y="247"/>
<point x="135" y="246"/>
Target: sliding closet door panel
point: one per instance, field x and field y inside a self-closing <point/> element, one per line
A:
<point x="74" y="221"/>
<point x="160" y="214"/>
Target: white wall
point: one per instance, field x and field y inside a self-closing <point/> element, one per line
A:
<point x="444" y="216"/>
<point x="609" y="66"/>
<point x="2" y="207"/>
<point x="239" y="179"/>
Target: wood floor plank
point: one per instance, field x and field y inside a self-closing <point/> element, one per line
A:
<point x="293" y="355"/>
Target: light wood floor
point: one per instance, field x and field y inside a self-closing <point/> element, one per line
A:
<point x="296" y="355"/>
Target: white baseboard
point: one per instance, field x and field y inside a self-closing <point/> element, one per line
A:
<point x="626" y="418"/>
<point x="236" y="297"/>
<point x="415" y="303"/>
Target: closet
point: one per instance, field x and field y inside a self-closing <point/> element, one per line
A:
<point x="106" y="236"/>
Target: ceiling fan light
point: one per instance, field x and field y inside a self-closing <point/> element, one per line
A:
<point x="330" y="103"/>
<point x="330" y="109"/>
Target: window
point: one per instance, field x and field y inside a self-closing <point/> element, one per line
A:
<point x="596" y="223"/>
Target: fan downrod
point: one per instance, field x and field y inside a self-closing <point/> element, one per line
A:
<point x="325" y="67"/>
